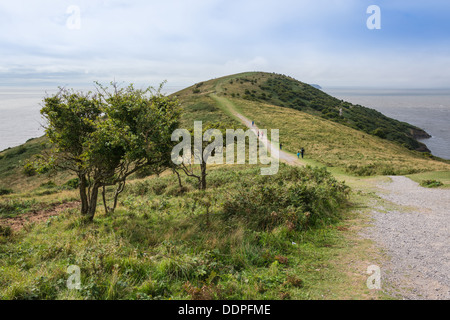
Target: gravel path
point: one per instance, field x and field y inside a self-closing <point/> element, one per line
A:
<point x="416" y="237"/>
<point x="283" y="156"/>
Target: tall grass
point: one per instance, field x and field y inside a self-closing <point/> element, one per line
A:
<point x="336" y="145"/>
<point x="161" y="243"/>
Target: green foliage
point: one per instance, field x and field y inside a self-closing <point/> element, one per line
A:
<point x="379" y="169"/>
<point x="160" y="246"/>
<point x="72" y="184"/>
<point x="431" y="183"/>
<point x="29" y="169"/>
<point x="105" y="137"/>
<point x="379" y="133"/>
<point x="5" y="231"/>
<point x="297" y="198"/>
<point x="284" y="91"/>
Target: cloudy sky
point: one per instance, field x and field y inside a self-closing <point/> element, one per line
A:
<point x="327" y="42"/>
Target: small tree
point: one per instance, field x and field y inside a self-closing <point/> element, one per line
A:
<point x="200" y="154"/>
<point x="105" y="137"/>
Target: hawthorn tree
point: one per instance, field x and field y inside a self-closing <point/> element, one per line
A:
<point x="106" y="136"/>
<point x="203" y="153"/>
<point x="200" y="153"/>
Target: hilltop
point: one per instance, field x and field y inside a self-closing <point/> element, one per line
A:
<point x="284" y="91"/>
<point x="335" y="133"/>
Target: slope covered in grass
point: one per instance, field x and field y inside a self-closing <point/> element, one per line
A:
<point x="167" y="243"/>
<point x="284" y="91"/>
<point x="336" y="145"/>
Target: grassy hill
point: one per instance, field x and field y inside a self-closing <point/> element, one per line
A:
<point x="335" y="142"/>
<point x="284" y="91"/>
<point x="332" y="141"/>
<point x="293" y="235"/>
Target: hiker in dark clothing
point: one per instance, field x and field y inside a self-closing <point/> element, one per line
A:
<point x="302" y="151"/>
<point x="281" y="146"/>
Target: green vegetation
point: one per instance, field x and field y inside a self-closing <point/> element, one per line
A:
<point x="431" y="183"/>
<point x="336" y="145"/>
<point x="161" y="244"/>
<point x="284" y="91"/>
<point x="441" y="176"/>
<point x="104" y="138"/>
<point x="293" y="235"/>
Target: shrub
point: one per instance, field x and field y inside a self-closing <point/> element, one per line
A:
<point x="72" y="184"/>
<point x="431" y="183"/>
<point x="5" y="191"/>
<point x="29" y="169"/>
<point x="379" y="133"/>
<point x="296" y="197"/>
<point x="5" y="231"/>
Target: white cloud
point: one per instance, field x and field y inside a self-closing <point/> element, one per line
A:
<point x="189" y="41"/>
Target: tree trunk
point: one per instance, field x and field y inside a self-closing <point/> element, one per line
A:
<point x="93" y="202"/>
<point x="116" y="195"/>
<point x="83" y="196"/>
<point x="203" y="176"/>
<point x="179" y="178"/>
<point x="104" y="200"/>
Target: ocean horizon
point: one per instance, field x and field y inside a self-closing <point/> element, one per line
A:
<point x="428" y="109"/>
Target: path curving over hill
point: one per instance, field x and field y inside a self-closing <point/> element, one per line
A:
<point x="415" y="231"/>
<point x="283" y="156"/>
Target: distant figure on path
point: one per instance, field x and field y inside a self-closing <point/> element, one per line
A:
<point x="302" y="151"/>
<point x="281" y="146"/>
<point x="298" y="154"/>
<point x="253" y="123"/>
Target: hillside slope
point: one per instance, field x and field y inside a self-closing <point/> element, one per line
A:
<point x="284" y="91"/>
<point x="332" y="142"/>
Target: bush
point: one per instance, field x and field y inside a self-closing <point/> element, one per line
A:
<point x="5" y="231"/>
<point x="431" y="183"/>
<point x="379" y="133"/>
<point x="297" y="198"/>
<point x="29" y="169"/>
<point x="5" y="191"/>
<point x="72" y="184"/>
<point x="379" y="169"/>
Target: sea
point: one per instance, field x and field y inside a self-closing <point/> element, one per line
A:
<point x="428" y="109"/>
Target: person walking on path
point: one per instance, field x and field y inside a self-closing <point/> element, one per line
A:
<point x="253" y="123"/>
<point x="302" y="151"/>
<point x="281" y="146"/>
<point x="298" y="154"/>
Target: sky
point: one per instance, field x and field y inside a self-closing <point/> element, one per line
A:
<point x="325" y="42"/>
